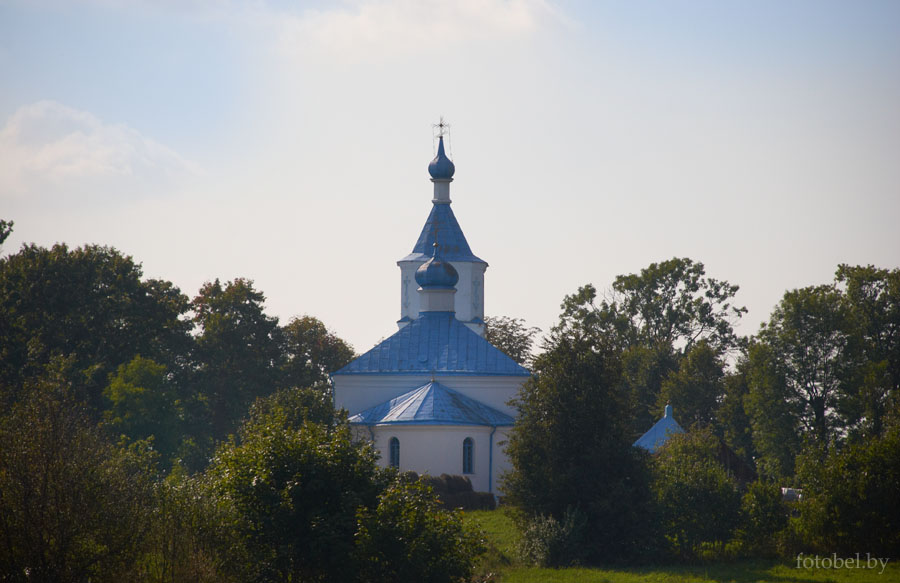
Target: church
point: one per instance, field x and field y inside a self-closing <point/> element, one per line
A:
<point x="433" y="397"/>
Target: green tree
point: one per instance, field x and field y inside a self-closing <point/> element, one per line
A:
<point x="654" y="318"/>
<point x="671" y="302"/>
<point x="571" y="448"/>
<point x="810" y="355"/>
<point x="732" y="419"/>
<point x="851" y="496"/>
<point x="512" y="336"/>
<point x="91" y="304"/>
<point x="696" y="388"/>
<point x="773" y="419"/>
<point x="872" y="296"/>
<point x="763" y="517"/>
<point x="697" y="502"/>
<point x="408" y="537"/>
<point x="237" y="353"/>
<point x="72" y="506"/>
<point x="6" y="228"/>
<point x="297" y="493"/>
<point x="312" y="352"/>
<point x="143" y="404"/>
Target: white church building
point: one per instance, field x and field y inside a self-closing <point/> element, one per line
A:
<point x="433" y="397"/>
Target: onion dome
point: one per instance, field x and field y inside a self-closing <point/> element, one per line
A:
<point x="441" y="168"/>
<point x="436" y="273"/>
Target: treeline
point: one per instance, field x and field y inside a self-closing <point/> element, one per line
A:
<point x="146" y="436"/>
<point x="812" y="401"/>
<point x="147" y="361"/>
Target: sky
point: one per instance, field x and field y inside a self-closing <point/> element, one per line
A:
<point x="288" y="142"/>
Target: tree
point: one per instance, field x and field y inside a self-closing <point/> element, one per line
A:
<point x="696" y="500"/>
<point x="408" y="537"/>
<point x="91" y="304"/>
<point x="143" y="405"/>
<point x="312" y="352"/>
<point x="773" y="419"/>
<point x="6" y="228"/>
<point x="653" y="319"/>
<point x="297" y="493"/>
<point x="570" y="448"/>
<point x="696" y="388"/>
<point x="851" y="496"/>
<point x="872" y="296"/>
<point x="512" y="336"/>
<point x="671" y="302"/>
<point x="237" y="353"/>
<point x="809" y="352"/>
<point x="72" y="506"/>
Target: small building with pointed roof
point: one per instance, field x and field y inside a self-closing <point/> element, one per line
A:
<point x="661" y="431"/>
<point x="434" y="396"/>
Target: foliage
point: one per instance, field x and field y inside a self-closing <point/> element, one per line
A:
<point x="297" y="493"/>
<point x="408" y="537"/>
<point x="570" y="448"/>
<point x="671" y="302"/>
<point x="72" y="506"/>
<point x="143" y="405"/>
<point x="193" y="537"/>
<point x="291" y="408"/>
<point x="6" y="228"/>
<point x="810" y="350"/>
<point x="697" y="502"/>
<point x="653" y="319"/>
<point x="763" y="516"/>
<point x="512" y="336"/>
<point x="773" y="419"/>
<point x="311" y="352"/>
<point x="89" y="303"/>
<point x="695" y="388"/>
<point x="548" y="542"/>
<point x="873" y="300"/>
<point x="851" y="497"/>
<point x="237" y="351"/>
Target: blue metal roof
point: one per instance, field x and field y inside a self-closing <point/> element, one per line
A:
<point x="435" y="342"/>
<point x="441" y="168"/>
<point x="454" y="246"/>
<point x="433" y="404"/>
<point x="660" y="432"/>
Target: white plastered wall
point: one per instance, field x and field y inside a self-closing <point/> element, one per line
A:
<point x="438" y="449"/>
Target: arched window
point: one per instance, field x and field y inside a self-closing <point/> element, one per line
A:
<point x="395" y="452"/>
<point x="468" y="455"/>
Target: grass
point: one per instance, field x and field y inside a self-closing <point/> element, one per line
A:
<point x="501" y="564"/>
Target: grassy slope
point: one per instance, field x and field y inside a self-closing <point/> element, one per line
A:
<point x="501" y="535"/>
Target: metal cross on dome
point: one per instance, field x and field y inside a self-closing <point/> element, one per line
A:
<point x="442" y="127"/>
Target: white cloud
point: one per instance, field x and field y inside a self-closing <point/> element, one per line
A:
<point x="49" y="150"/>
<point x="369" y="30"/>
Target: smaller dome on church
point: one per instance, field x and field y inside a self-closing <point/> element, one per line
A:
<point x="441" y="168"/>
<point x="436" y="273"/>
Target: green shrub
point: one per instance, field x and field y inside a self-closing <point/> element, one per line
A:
<point x="547" y="542"/>
<point x="764" y="517"/>
<point x="409" y="537"/>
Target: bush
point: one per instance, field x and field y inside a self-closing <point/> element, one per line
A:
<point x="408" y="537"/>
<point x="851" y="497"/>
<point x="698" y="503"/>
<point x="73" y="507"/>
<point x="547" y="542"/>
<point x="764" y="517"/>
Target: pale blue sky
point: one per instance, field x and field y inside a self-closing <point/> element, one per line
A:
<point x="288" y="142"/>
